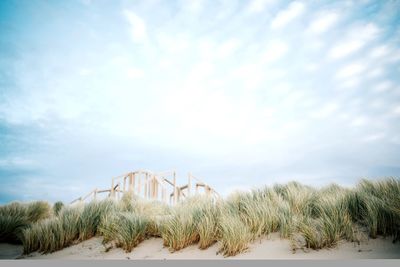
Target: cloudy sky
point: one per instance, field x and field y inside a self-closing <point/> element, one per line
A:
<point x="240" y="93"/>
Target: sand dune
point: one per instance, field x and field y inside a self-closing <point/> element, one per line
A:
<point x="265" y="248"/>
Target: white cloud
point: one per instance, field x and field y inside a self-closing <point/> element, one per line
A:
<point x="359" y="121"/>
<point x="380" y="51"/>
<point x="294" y="10"/>
<point x="257" y="6"/>
<point x="373" y="137"/>
<point x="325" y="111"/>
<point x="356" y="38"/>
<point x="250" y="74"/>
<point x="374" y="73"/>
<point x="173" y="43"/>
<point x="311" y="67"/>
<point x="395" y="56"/>
<point x="351" y="82"/>
<point x="85" y="71"/>
<point x="275" y="50"/>
<point x="17" y="162"/>
<point x="346" y="48"/>
<point x="323" y="22"/>
<point x="194" y="6"/>
<point x="383" y="86"/>
<point x="138" y="26"/>
<point x="350" y="70"/>
<point x="135" y="73"/>
<point x="396" y="110"/>
<point x="228" y="48"/>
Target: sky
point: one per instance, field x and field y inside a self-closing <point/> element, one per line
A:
<point x="239" y="93"/>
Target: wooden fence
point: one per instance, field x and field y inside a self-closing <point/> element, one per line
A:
<point x="160" y="186"/>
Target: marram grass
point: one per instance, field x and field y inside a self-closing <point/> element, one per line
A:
<point x="310" y="218"/>
<point x="15" y="217"/>
<point x="126" y="229"/>
<point x="235" y="235"/>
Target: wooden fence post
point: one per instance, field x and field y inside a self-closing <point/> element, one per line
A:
<point x="189" y="183"/>
<point x="175" y="188"/>
<point x="112" y="189"/>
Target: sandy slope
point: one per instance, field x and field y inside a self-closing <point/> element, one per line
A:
<point x="272" y="248"/>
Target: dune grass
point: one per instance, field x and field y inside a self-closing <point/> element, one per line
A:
<point x="179" y="228"/>
<point x="208" y="222"/>
<point x="91" y="217"/>
<point x="57" y="207"/>
<point x="235" y="235"/>
<point x="310" y="218"/>
<point x="53" y="233"/>
<point x="15" y="217"/>
<point x="126" y="229"/>
<point x="153" y="211"/>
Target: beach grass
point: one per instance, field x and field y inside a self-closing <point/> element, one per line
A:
<point x="311" y="218"/>
<point x="15" y="217"/>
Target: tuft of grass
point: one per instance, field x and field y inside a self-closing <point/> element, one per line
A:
<point x="182" y="227"/>
<point x="11" y="227"/>
<point x="15" y="217"/>
<point x="54" y="233"/>
<point x="153" y="211"/>
<point x="91" y="217"/>
<point x="330" y="223"/>
<point x="125" y="228"/>
<point x="57" y="207"/>
<point x="299" y="197"/>
<point x="208" y="223"/>
<point x="376" y="206"/>
<point x="234" y="234"/>
<point x="259" y="212"/>
<point x="38" y="210"/>
<point x="179" y="229"/>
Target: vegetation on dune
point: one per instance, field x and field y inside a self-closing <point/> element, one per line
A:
<point x="126" y="229"/>
<point x="310" y="218"/>
<point x="153" y="211"/>
<point x="15" y="217"/>
<point x="208" y="223"/>
<point x="179" y="229"/>
<point x="234" y="234"/>
<point x="53" y="233"/>
<point x="57" y="207"/>
<point x="91" y="217"/>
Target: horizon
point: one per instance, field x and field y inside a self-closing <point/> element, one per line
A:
<point x="241" y="94"/>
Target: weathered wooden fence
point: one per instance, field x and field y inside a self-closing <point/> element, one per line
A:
<point x="160" y="186"/>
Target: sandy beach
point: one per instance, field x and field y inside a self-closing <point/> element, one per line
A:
<point x="264" y="248"/>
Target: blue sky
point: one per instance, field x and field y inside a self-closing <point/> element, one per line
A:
<point x="240" y="93"/>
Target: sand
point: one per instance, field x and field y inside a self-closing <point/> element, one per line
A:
<point x="264" y="248"/>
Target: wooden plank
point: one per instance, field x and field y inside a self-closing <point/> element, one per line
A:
<point x="112" y="188"/>
<point x="145" y="187"/>
<point x="183" y="187"/>
<point x="168" y="181"/>
<point x="189" y="183"/>
<point x="103" y="191"/>
<point x="174" y="179"/>
<point x="124" y="186"/>
<point x="139" y="184"/>
<point x="133" y="181"/>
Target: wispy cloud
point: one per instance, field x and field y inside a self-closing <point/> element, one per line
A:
<point x="257" y="6"/>
<point x="355" y="39"/>
<point x="138" y="26"/>
<point x="323" y="22"/>
<point x="294" y="10"/>
<point x="268" y="90"/>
